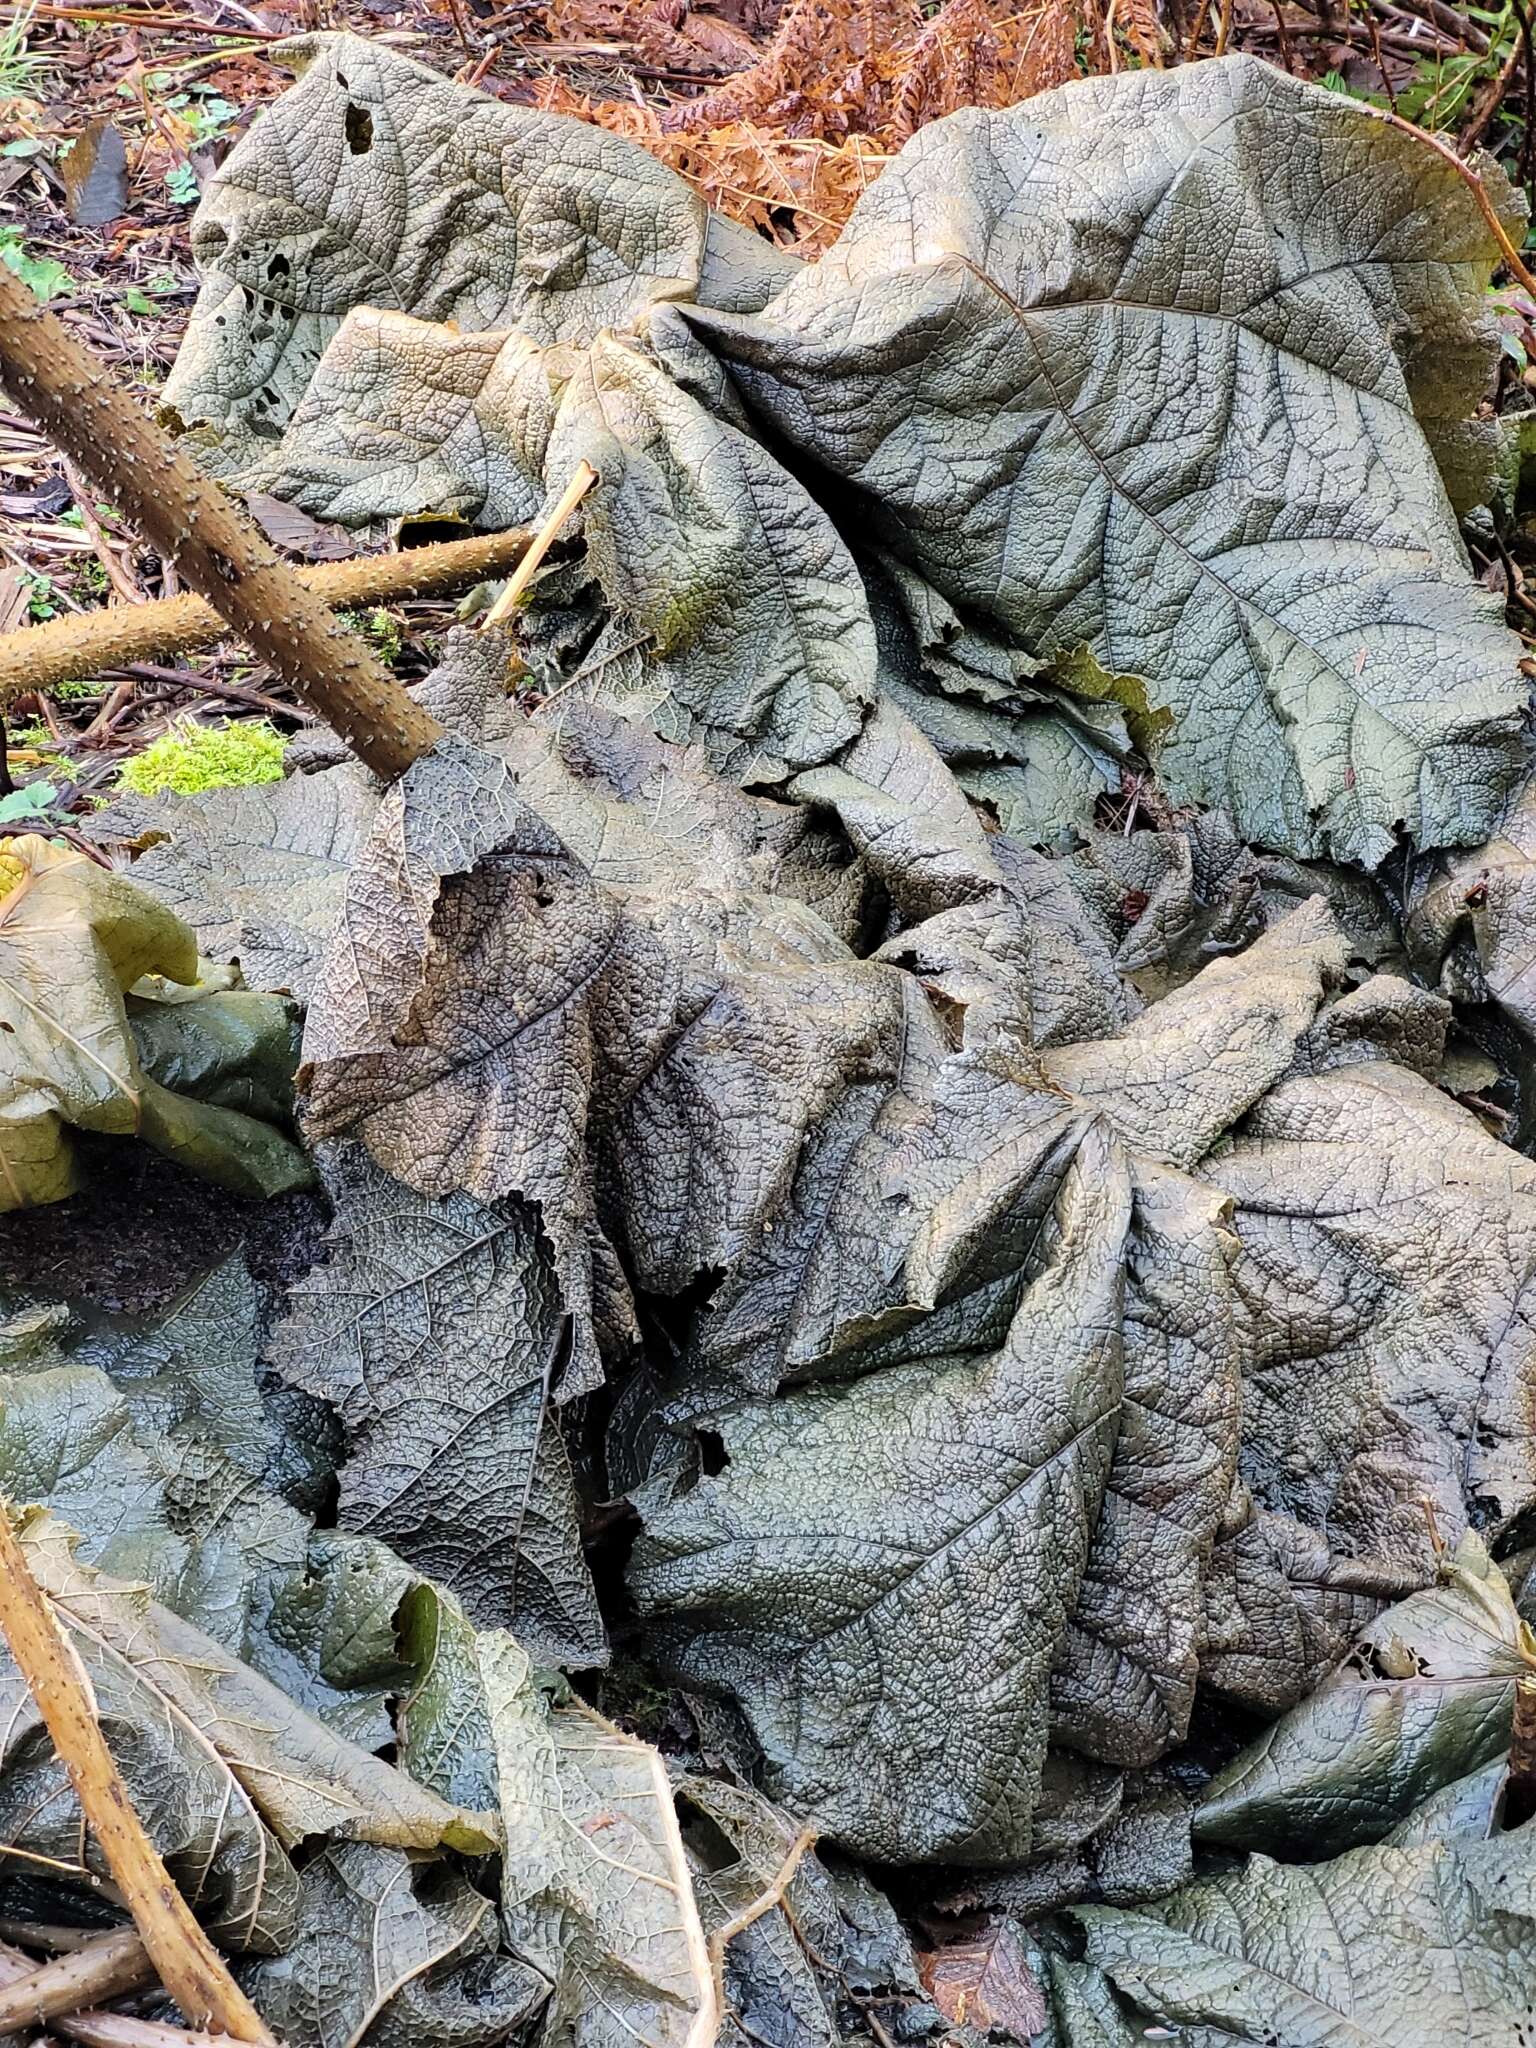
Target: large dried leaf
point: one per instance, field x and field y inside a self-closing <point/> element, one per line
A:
<point x="412" y="416"/>
<point x="1385" y="1302"/>
<point x="824" y="1575"/>
<point x="1136" y="365"/>
<point x="1425" y="1697"/>
<point x="394" y="1950"/>
<point x="435" y="1327"/>
<point x="1281" y="1608"/>
<point x="462" y="890"/>
<point x="714" y="560"/>
<point x="1471" y="929"/>
<point x="301" y="1778"/>
<point x="376" y="182"/>
<point x="795" y="1973"/>
<point x="156" y="1441"/>
<point x="228" y="1773"/>
<point x="595" y="1885"/>
<point x="674" y="1035"/>
<point x="257" y="873"/>
<point x="1391" y="1947"/>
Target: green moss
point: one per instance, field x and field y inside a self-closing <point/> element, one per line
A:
<point x="379" y="628"/>
<point x="192" y="757"/>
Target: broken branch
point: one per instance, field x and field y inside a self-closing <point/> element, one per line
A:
<point x="41" y="657"/>
<point x="108" y="2029"/>
<point x="212" y="543"/>
<point x="505" y="605"/>
<point x="190" y="1967"/>
<point x="104" y="1966"/>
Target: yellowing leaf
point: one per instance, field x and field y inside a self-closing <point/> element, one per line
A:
<point x="73" y="939"/>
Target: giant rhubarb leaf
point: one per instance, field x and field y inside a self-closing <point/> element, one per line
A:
<point x="1137" y="364"/>
<point x="1425" y="1697"/>
<point x="1391" y="1947"/>
<point x="435" y="1327"/>
<point x="73" y="941"/>
<point x="595" y="1885"/>
<point x="228" y="1771"/>
<point x="865" y="1541"/>
<point x="394" y="1951"/>
<point x="376" y="182"/>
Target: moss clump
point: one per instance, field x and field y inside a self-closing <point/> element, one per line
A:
<point x="191" y="757"/>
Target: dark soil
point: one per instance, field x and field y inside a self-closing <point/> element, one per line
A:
<point x="143" y="1230"/>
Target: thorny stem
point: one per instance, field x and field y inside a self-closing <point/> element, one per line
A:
<point x="215" y="546"/>
<point x="107" y="2029"/>
<point x="190" y="1967"/>
<point x="116" y="636"/>
<point x="103" y="1967"/>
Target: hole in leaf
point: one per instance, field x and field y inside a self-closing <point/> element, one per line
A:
<point x="359" y="126"/>
<point x="713" y="1456"/>
<point x="279" y="266"/>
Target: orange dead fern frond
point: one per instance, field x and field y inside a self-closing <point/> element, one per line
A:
<point x="796" y="190"/>
<point x="665" y="34"/>
<point x="791" y="143"/>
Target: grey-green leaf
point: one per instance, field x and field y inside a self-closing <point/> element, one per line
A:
<point x="1137" y="364"/>
<point x="435" y="1327"/>
<point x="863" y="1544"/>
<point x="1425" y="1697"/>
<point x="1382" y="1948"/>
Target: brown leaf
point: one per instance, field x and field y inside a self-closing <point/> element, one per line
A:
<point x="985" y="1982"/>
<point x="95" y="174"/>
<point x="289" y="528"/>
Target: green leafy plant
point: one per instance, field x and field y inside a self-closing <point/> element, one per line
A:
<point x="380" y="628"/>
<point x="40" y="589"/>
<point x="45" y="276"/>
<point x="32" y="800"/>
<point x="22" y="71"/>
<point x="193" y="757"/>
<point x="181" y="183"/>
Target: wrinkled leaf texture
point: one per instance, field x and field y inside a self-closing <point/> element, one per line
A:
<point x="1154" y="370"/>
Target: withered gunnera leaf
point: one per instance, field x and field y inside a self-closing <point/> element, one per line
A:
<point x="1385" y="1290"/>
<point x="1389" y="1947"/>
<point x="410" y="416"/>
<point x="257" y="873"/>
<point x="453" y="1028"/>
<point x="757" y="639"/>
<point x="201" y="1815"/>
<point x="866" y="1541"/>
<point x="435" y="1327"/>
<point x="669" y="1040"/>
<point x="595" y="1885"/>
<point x="1135" y="365"/>
<point x="300" y="1777"/>
<point x="1281" y="1608"/>
<point x="377" y="182"/>
<point x="73" y="940"/>
<point x="395" y="1950"/>
<point x="1424" y="1698"/>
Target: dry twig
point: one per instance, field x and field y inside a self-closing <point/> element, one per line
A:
<point x="190" y="1967"/>
<point x="40" y="657"/>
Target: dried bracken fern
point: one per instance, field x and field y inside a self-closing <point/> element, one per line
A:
<point x="796" y="190"/>
<point x="790" y="142"/>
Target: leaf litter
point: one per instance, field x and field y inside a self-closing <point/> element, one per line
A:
<point x="917" y="1412"/>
